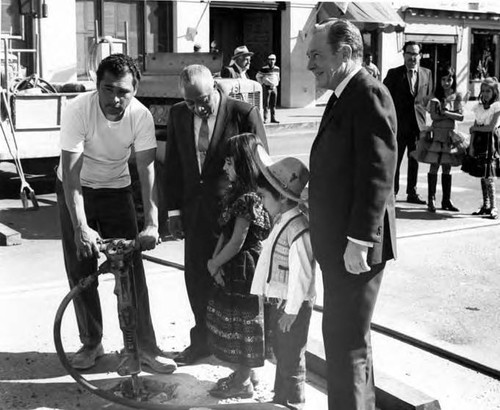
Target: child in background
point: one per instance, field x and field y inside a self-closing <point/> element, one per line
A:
<point x="234" y="317"/>
<point x="285" y="274"/>
<point x="483" y="151"/>
<point x="445" y="109"/>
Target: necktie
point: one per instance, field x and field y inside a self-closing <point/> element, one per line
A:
<point x="333" y="99"/>
<point x="203" y="141"/>
<point x="412" y="75"/>
<point x="329" y="106"/>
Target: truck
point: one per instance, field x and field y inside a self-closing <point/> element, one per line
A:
<point x="36" y="109"/>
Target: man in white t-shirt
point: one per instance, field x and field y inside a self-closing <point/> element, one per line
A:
<point x="98" y="131"/>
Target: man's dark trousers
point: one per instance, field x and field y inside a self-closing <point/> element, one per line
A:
<point x="349" y="301"/>
<point x="200" y="241"/>
<point x="408" y="145"/>
<point x="269" y="98"/>
<point x="111" y="213"/>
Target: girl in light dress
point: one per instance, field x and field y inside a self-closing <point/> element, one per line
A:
<point x="483" y="159"/>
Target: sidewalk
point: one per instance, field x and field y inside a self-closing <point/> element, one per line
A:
<point x="310" y="117"/>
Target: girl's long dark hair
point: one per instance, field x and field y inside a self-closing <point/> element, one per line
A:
<point x="240" y="148"/>
<point x="445" y="72"/>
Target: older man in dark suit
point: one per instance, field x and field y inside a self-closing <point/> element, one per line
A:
<point x="351" y="199"/>
<point x="411" y="87"/>
<point x="197" y="133"/>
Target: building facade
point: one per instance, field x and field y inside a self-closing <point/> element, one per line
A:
<point x="69" y="35"/>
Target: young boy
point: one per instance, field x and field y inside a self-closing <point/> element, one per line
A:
<point x="285" y="273"/>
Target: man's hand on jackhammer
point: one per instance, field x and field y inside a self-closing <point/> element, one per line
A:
<point x="86" y="242"/>
<point x="148" y="238"/>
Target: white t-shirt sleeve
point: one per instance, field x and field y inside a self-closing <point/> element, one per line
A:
<point x="144" y="131"/>
<point x="72" y="135"/>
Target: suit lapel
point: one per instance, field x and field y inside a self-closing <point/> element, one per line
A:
<point x="219" y="127"/>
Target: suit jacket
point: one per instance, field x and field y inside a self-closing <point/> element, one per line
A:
<point x="410" y="109"/>
<point x="185" y="188"/>
<point x="231" y="71"/>
<point x="352" y="163"/>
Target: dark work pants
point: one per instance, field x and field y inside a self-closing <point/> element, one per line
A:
<point x="290" y="352"/>
<point x="269" y="99"/>
<point x="111" y="213"/>
<point x="411" y="186"/>
<point x="349" y="301"/>
<point x="199" y="245"/>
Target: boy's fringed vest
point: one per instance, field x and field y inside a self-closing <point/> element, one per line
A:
<point x="278" y="268"/>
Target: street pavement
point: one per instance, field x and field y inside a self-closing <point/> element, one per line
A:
<point x="444" y="289"/>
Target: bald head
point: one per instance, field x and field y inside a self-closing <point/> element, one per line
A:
<point x="198" y="89"/>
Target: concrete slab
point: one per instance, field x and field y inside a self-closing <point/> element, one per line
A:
<point x="9" y="236"/>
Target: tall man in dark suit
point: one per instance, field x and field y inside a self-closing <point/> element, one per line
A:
<point x="411" y="87"/>
<point x="197" y="132"/>
<point x="351" y="199"/>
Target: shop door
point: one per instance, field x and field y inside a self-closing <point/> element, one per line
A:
<point x="259" y="30"/>
<point x="435" y="56"/>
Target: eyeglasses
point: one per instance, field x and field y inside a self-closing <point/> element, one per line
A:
<point x="412" y="54"/>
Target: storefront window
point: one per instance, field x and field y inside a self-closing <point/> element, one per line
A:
<point x="149" y="27"/>
<point x="84" y="36"/>
<point x="483" y="54"/>
<point x="158" y="30"/>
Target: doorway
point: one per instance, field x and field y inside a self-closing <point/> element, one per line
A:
<point x="436" y="55"/>
<point x="259" y="30"/>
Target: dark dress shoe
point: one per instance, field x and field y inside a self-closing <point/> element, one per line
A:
<point x="190" y="355"/>
<point x="415" y="199"/>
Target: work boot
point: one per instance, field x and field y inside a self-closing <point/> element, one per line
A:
<point x="446" y="203"/>
<point x="158" y="363"/>
<point x="86" y="357"/>
<point x="431" y="189"/>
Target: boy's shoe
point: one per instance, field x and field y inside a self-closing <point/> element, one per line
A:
<point x="230" y="390"/>
<point x="86" y="356"/>
<point x="482" y="211"/>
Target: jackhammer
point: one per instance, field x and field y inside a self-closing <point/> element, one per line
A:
<point x="119" y="253"/>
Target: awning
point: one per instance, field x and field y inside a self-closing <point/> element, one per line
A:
<point x="366" y="16"/>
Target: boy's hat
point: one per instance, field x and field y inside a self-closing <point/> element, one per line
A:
<point x="288" y="176"/>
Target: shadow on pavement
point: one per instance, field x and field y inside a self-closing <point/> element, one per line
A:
<point x="41" y="223"/>
<point x="421" y="213"/>
<point x="33" y="380"/>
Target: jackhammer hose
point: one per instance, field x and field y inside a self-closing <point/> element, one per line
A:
<point x="82" y="285"/>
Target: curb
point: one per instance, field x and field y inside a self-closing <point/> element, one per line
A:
<point x="273" y="129"/>
<point x="391" y="393"/>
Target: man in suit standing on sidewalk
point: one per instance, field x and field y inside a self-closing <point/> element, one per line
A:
<point x="351" y="200"/>
<point x="197" y="134"/>
<point x="411" y="87"/>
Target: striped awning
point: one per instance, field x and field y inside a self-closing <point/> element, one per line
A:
<point x="366" y="16"/>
